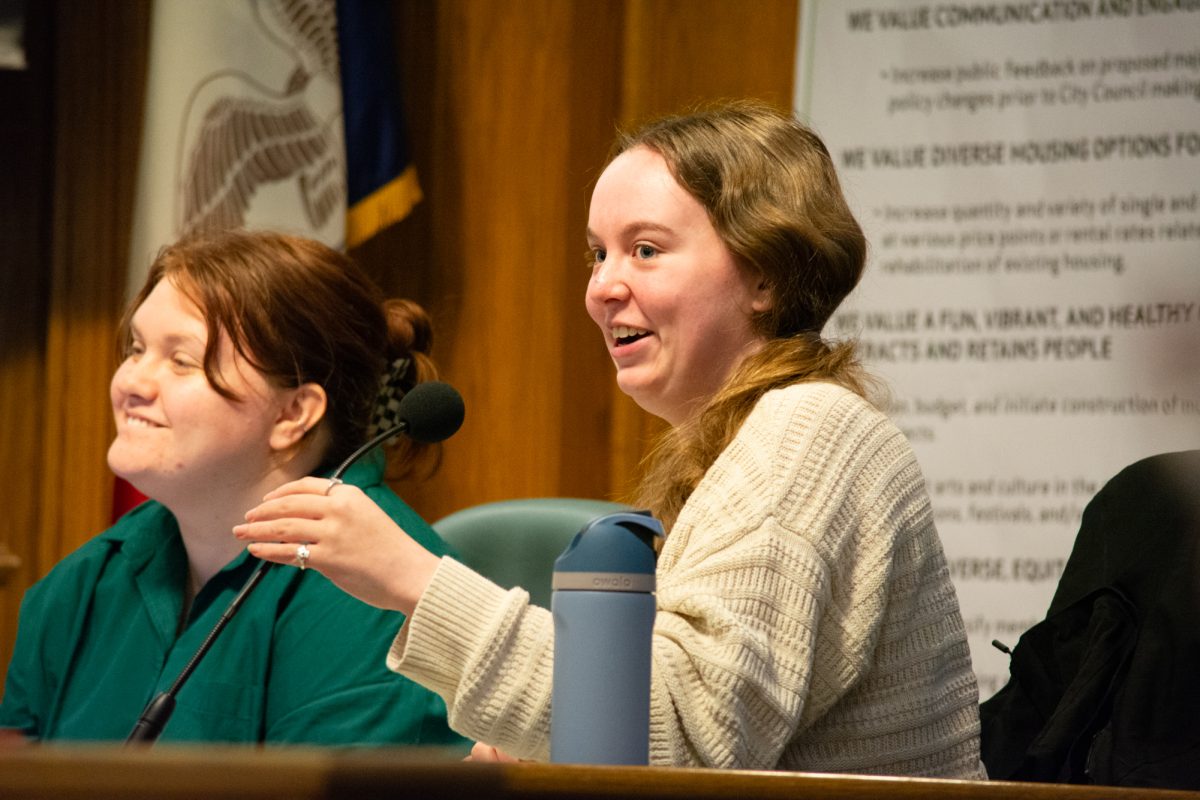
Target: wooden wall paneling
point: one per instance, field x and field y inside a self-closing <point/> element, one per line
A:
<point x="594" y="66"/>
<point x="100" y="63"/>
<point x="24" y="197"/>
<point x="505" y="150"/>
<point x="679" y="53"/>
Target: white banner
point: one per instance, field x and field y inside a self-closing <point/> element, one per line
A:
<point x="243" y="123"/>
<point x="1028" y="176"/>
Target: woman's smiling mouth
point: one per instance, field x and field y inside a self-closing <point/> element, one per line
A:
<point x="140" y="422"/>
<point x="623" y="334"/>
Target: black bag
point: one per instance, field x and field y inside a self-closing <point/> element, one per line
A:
<point x="1106" y="689"/>
<point x="1065" y="672"/>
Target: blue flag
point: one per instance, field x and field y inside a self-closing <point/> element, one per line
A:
<point x="381" y="183"/>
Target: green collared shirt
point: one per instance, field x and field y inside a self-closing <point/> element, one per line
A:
<point x="301" y="662"/>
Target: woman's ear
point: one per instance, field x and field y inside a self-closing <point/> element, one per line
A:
<point x="303" y="410"/>
<point x="761" y="297"/>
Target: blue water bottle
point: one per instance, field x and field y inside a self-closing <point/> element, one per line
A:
<point x="603" y="607"/>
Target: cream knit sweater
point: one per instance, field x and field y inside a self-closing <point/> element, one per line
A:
<point x="806" y="619"/>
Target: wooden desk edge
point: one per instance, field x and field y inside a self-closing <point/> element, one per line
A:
<point x="227" y="772"/>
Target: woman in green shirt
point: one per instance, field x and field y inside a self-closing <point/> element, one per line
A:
<point x="250" y="359"/>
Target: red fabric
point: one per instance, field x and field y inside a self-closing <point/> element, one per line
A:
<point x="125" y="497"/>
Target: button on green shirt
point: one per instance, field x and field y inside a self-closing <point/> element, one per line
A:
<point x="300" y="662"/>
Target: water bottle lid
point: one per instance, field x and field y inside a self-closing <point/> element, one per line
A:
<point x="614" y="544"/>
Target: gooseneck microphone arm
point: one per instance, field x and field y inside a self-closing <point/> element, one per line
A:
<point x="430" y="412"/>
<point x="156" y="713"/>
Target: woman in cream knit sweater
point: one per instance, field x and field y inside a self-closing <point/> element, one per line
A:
<point x="806" y="619"/>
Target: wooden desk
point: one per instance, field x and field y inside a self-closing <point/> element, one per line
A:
<point x="219" y="772"/>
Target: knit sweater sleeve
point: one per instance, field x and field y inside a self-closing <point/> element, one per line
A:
<point x="771" y="590"/>
<point x="488" y="653"/>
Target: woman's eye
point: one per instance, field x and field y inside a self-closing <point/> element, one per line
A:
<point x="599" y="255"/>
<point x="645" y="251"/>
<point x="134" y="349"/>
<point x="183" y="362"/>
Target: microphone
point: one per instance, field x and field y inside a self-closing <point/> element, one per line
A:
<point x="431" y="412"/>
<point x="428" y="413"/>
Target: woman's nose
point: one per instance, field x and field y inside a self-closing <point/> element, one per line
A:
<point x="135" y="377"/>
<point x="608" y="282"/>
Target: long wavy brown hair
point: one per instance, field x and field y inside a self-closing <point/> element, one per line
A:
<point x="771" y="192"/>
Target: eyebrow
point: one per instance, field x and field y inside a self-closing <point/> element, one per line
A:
<point x="171" y="339"/>
<point x="637" y="226"/>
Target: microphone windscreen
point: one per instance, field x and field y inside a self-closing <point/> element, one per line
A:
<point x="432" y="411"/>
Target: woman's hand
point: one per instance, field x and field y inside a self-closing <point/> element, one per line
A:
<point x="485" y="752"/>
<point x="350" y="540"/>
<point x="10" y="737"/>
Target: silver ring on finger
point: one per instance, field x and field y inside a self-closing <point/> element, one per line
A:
<point x="302" y="554"/>
<point x="332" y="483"/>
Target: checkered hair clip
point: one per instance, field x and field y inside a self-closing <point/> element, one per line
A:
<point x="386" y="413"/>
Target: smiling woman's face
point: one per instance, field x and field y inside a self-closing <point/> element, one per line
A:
<point x="175" y="433"/>
<point x="673" y="304"/>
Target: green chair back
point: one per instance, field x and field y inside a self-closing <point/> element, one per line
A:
<point x="515" y="542"/>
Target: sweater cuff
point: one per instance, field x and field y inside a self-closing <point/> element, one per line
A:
<point x="452" y="620"/>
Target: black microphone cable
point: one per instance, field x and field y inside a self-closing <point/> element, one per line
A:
<point x="430" y="412"/>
